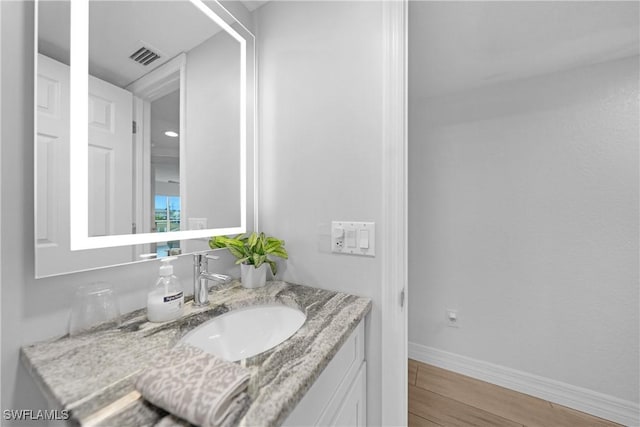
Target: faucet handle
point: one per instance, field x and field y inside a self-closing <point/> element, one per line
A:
<point x="201" y="258"/>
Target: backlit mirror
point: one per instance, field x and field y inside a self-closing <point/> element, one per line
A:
<point x="144" y="130"/>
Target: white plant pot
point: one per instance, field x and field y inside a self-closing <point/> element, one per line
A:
<point x="252" y="277"/>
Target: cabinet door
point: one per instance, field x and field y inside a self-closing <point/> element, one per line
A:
<point x="353" y="411"/>
<point x="322" y="401"/>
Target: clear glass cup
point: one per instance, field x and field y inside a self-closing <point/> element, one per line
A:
<point x="94" y="304"/>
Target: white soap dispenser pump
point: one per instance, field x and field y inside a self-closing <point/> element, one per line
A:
<point x="165" y="301"/>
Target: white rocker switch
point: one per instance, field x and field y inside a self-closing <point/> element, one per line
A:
<point x="351" y="238"/>
<point x="364" y="239"/>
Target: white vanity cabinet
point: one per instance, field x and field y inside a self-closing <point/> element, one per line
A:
<point x="339" y="395"/>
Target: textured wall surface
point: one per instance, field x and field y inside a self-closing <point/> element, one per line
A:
<point x="524" y="217"/>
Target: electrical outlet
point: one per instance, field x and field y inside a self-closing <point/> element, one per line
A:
<point x="338" y="238"/>
<point x="451" y="316"/>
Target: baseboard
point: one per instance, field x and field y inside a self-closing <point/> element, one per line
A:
<point x="582" y="399"/>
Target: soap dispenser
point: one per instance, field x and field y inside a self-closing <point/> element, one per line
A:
<point x="165" y="300"/>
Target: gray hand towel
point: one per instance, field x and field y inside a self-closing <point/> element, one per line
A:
<point x="196" y="386"/>
<point x="237" y="409"/>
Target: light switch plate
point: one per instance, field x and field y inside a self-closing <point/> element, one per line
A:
<point x="197" y="223"/>
<point x="346" y="237"/>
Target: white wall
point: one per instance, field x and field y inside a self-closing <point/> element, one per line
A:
<point x="34" y="310"/>
<point x="212" y="127"/>
<point x="524" y="217"/>
<point x="320" y="97"/>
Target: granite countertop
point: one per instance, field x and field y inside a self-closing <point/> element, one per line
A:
<point x="92" y="374"/>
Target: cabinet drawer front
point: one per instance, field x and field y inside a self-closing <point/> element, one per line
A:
<point x="325" y="395"/>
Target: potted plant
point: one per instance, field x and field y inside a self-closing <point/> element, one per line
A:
<point x="252" y="254"/>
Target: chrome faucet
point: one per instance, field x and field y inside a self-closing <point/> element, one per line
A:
<point x="201" y="276"/>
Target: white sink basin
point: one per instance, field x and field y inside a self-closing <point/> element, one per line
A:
<point x="247" y="331"/>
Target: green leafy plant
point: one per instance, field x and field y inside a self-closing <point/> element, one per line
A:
<point x="252" y="249"/>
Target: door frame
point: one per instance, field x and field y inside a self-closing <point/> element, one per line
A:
<point x="394" y="210"/>
<point x="163" y="80"/>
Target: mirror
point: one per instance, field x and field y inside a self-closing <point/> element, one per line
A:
<point x="143" y="113"/>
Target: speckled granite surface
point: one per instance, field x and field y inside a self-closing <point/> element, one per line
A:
<point x="86" y="373"/>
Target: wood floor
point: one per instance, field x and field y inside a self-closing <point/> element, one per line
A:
<point x="443" y="398"/>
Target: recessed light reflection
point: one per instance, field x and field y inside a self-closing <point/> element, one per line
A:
<point x="171" y="133"/>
